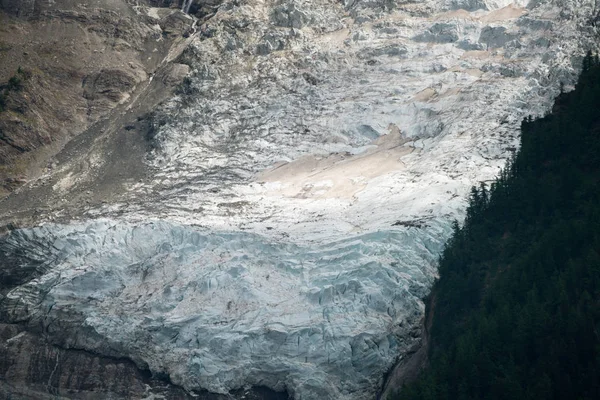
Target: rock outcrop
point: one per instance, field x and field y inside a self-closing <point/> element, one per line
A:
<point x="31" y="368"/>
<point x="75" y="61"/>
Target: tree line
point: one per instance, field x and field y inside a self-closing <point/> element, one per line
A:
<point x="517" y="305"/>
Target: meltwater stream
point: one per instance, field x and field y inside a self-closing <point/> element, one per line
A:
<point x="187" y="4"/>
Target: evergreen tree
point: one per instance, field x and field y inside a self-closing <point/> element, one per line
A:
<point x="517" y="314"/>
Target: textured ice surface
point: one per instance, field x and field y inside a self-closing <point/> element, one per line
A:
<point x="219" y="310"/>
<point x="306" y="177"/>
<point x="339" y="120"/>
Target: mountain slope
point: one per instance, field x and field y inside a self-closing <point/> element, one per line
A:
<point x="75" y="62"/>
<point x="277" y="221"/>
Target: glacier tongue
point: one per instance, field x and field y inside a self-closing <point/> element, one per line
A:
<point x="223" y="310"/>
<point x="306" y="177"/>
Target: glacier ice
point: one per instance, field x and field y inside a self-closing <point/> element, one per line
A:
<point x="223" y="310"/>
<point x="305" y="180"/>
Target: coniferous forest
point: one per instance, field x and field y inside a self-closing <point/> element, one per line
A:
<point x="516" y="311"/>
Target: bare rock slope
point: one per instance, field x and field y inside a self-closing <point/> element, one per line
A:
<point x="71" y="63"/>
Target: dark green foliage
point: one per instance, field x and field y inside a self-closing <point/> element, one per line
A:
<point x="518" y="301"/>
<point x="15" y="84"/>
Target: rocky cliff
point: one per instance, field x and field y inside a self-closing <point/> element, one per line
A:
<point x="276" y="221"/>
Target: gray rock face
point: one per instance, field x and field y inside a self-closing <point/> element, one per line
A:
<point x="495" y="36"/>
<point x="31" y="368"/>
<point x="289" y="16"/>
<point x="439" y="33"/>
<point x="34" y="369"/>
<point x="303" y="183"/>
<point x="106" y="88"/>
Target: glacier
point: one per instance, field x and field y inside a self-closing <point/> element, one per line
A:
<point x="218" y="310"/>
<point x="304" y="182"/>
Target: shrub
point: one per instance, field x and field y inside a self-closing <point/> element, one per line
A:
<point x="15" y="83"/>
